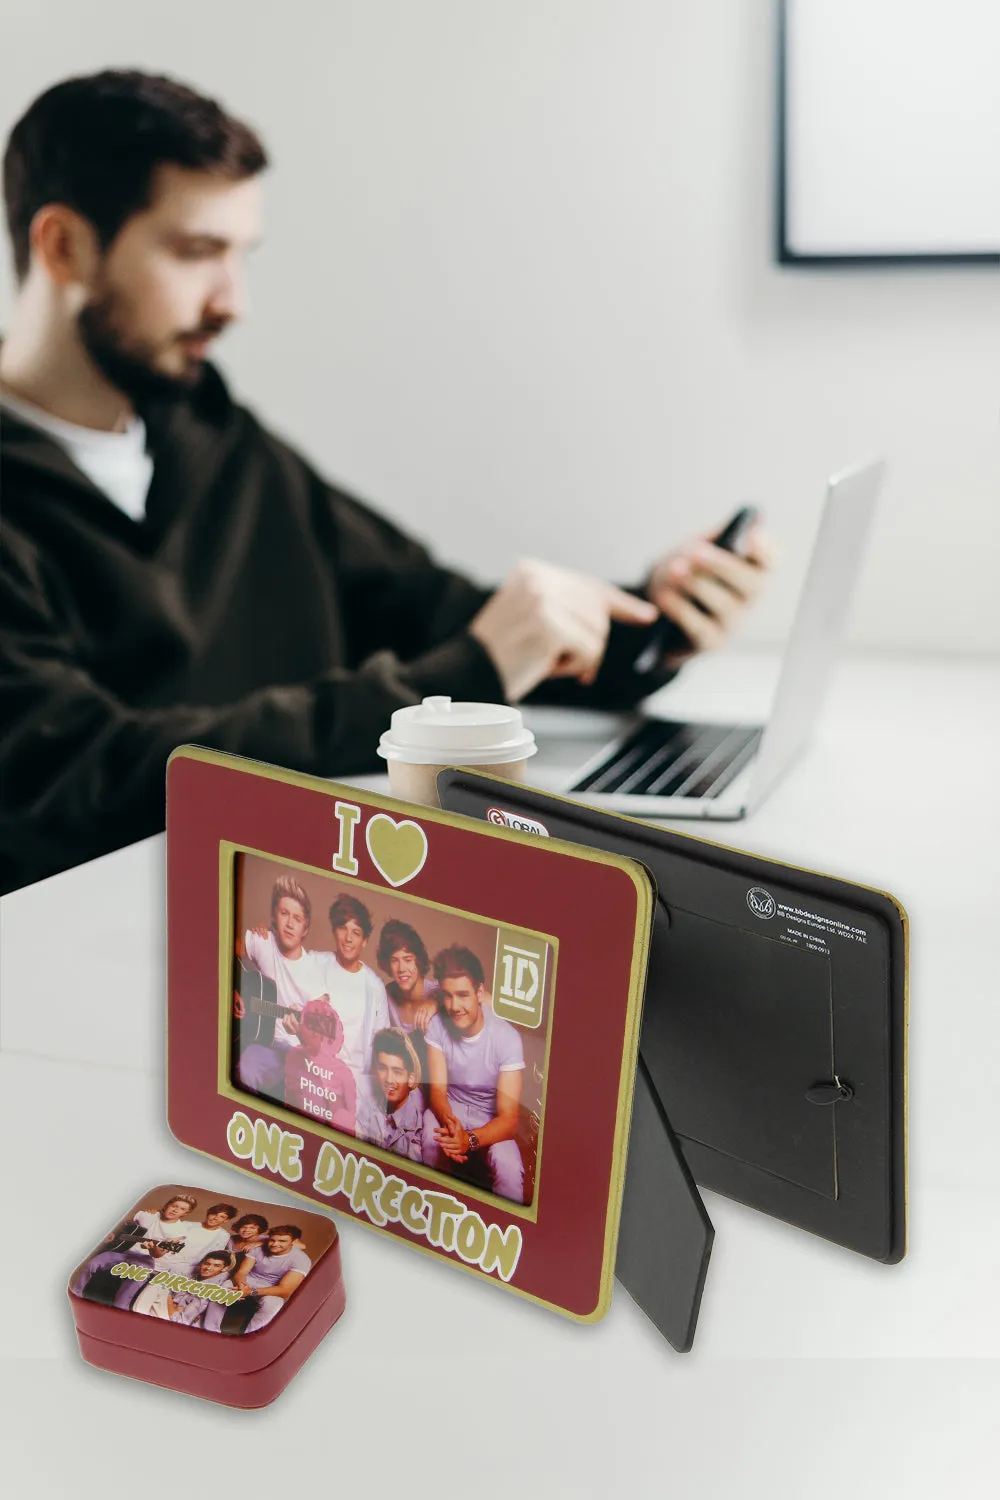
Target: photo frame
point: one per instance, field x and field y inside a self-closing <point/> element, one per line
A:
<point x="231" y="825"/>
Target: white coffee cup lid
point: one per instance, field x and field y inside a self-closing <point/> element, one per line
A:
<point x="440" y="732"/>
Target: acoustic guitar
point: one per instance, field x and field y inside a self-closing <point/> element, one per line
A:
<point x="261" y="1010"/>
<point x="132" y="1234"/>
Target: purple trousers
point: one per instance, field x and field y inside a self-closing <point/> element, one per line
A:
<point x="103" y="1261"/>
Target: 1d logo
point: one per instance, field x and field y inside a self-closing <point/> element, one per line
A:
<point x="761" y="902"/>
<point x="519" y="986"/>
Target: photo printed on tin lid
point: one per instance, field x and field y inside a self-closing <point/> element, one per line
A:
<point x="224" y="1264"/>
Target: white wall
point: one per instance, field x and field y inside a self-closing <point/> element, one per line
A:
<point x="517" y="288"/>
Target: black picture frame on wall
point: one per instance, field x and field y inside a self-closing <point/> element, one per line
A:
<point x="785" y="255"/>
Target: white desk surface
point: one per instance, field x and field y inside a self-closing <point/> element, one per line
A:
<point x="815" y="1372"/>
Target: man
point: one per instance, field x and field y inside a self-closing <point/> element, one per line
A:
<point x="155" y="532"/>
<point x="279" y="955"/>
<point x="353" y="989"/>
<point x="248" y="1231"/>
<point x="392" y="1112"/>
<point x="318" y="1082"/>
<point x="476" y="1062"/>
<point x="411" y="991"/>
<point x="197" y="1237"/>
<point x="270" y="1273"/>
<point x="187" y="1307"/>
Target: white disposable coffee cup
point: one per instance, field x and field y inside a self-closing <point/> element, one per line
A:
<point x="437" y="732"/>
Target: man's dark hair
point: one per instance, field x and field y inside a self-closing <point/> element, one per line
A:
<point x="257" y="1219"/>
<point x="94" y="143"/>
<point x="223" y="1255"/>
<point x="292" y="1229"/>
<point x="396" y="935"/>
<point x="346" y="908"/>
<point x="228" y="1209"/>
<point x="456" y="960"/>
<point x="395" y="1043"/>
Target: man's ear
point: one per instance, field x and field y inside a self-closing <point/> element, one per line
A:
<point x="65" y="245"/>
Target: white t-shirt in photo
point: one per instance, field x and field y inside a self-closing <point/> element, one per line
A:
<point x="198" y="1240"/>
<point x="349" y="997"/>
<point x="296" y="979"/>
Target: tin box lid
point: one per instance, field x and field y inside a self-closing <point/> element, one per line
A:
<point x="174" y="1301"/>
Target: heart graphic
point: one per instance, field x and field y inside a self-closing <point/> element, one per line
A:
<point x="398" y="850"/>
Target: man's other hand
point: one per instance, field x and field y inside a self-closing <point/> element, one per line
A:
<point x="705" y="590"/>
<point x="546" y="621"/>
<point x="453" y="1139"/>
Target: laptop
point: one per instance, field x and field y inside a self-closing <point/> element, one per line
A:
<point x="668" y="769"/>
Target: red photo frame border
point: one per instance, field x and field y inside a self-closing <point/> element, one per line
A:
<point x="598" y="907"/>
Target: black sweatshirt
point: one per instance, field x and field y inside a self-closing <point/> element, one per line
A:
<point x="256" y="609"/>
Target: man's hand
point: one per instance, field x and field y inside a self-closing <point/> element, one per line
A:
<point x="453" y="1139"/>
<point x="293" y="1021"/>
<point x="546" y="621"/>
<point x="705" y="589"/>
<point x="424" y="1014"/>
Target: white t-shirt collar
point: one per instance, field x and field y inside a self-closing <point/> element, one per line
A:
<point x="116" y="462"/>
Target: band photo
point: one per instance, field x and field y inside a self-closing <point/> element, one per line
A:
<point x="376" y="1015"/>
<point x="227" y="1266"/>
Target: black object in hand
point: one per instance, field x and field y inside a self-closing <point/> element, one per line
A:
<point x="666" y="637"/>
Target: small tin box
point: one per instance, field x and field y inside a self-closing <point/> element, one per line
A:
<point x="219" y="1297"/>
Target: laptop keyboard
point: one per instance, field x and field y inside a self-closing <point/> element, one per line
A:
<point x="664" y="759"/>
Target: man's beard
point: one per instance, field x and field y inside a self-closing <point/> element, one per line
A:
<point x="130" y="369"/>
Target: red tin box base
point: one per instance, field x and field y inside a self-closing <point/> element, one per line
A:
<point x="258" y="1388"/>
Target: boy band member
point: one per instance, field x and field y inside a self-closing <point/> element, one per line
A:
<point x="476" y="1062"/>
<point x="392" y="1114"/>
<point x="187" y="1307"/>
<point x="271" y="1273"/>
<point x="353" y="989"/>
<point x="280" y="956"/>
<point x="167" y="1223"/>
<point x="156" y="1225"/>
<point x="247" y="1232"/>
<point x="412" y="989"/>
<point x="154" y="529"/>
